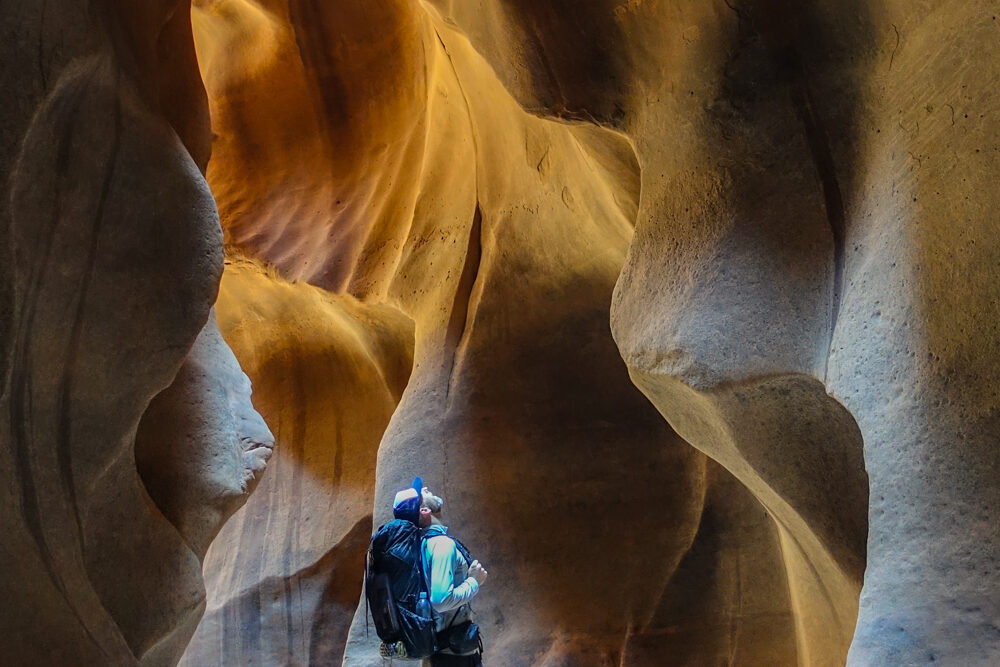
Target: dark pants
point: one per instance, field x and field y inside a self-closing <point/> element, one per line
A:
<point x="445" y="660"/>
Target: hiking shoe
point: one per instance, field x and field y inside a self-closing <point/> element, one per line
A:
<point x="394" y="650"/>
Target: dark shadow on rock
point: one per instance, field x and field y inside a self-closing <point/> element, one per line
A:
<point x="727" y="602"/>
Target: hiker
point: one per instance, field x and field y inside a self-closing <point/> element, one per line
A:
<point x="454" y="579"/>
<point x="418" y="583"/>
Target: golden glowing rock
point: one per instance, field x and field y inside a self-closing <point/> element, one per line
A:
<point x="448" y="223"/>
<point x="417" y="182"/>
<point x="328" y="372"/>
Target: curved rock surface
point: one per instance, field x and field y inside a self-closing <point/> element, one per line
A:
<point x="283" y="575"/>
<point x="198" y="450"/>
<point x="815" y="179"/>
<point x="430" y="208"/>
<point x="500" y="235"/>
<point x="114" y="255"/>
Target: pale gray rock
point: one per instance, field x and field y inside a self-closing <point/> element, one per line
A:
<point x="813" y="280"/>
<point x="201" y="446"/>
<point x="727" y="296"/>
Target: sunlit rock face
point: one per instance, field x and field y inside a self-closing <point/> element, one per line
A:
<point x="283" y="575"/>
<point x="779" y="447"/>
<point x="814" y="267"/>
<point x="368" y="150"/>
<point x="112" y="253"/>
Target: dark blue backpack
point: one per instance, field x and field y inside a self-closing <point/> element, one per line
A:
<point x="394" y="579"/>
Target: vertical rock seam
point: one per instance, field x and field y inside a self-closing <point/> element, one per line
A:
<point x="833" y="200"/>
<point x="458" y="323"/>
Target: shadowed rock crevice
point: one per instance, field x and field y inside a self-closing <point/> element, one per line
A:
<point x="730" y="567"/>
<point x="537" y="52"/>
<point x="455" y="336"/>
<point x="819" y="146"/>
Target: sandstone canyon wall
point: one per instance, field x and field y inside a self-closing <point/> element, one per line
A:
<point x="283" y="576"/>
<point x="814" y="266"/>
<point x="112" y="253"/>
<point x="500" y="236"/>
<point x="429" y="210"/>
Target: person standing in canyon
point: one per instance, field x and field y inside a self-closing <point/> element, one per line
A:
<point x="453" y="578"/>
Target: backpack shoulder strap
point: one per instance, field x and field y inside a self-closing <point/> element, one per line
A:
<point x="463" y="550"/>
<point x="424" y="536"/>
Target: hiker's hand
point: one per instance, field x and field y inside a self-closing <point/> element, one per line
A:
<point x="478" y="572"/>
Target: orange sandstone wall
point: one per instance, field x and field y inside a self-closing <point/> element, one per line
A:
<point x="779" y="448"/>
<point x="283" y="575"/>
<point x="368" y="150"/>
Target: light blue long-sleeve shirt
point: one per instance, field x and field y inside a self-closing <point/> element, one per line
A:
<point x="447" y="574"/>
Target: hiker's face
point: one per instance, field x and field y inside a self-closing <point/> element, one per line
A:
<point x="425" y="517"/>
<point x="429" y="500"/>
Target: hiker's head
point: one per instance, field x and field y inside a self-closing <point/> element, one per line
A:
<point x="406" y="504"/>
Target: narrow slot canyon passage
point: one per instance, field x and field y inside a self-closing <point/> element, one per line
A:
<point x="688" y="311"/>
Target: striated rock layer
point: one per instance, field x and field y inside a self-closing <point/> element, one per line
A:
<point x="111" y="255"/>
<point x="430" y="208"/>
<point x="367" y="149"/>
<point x="283" y="577"/>
<point x="814" y="266"/>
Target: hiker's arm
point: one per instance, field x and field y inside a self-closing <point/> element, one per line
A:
<point x="445" y="596"/>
